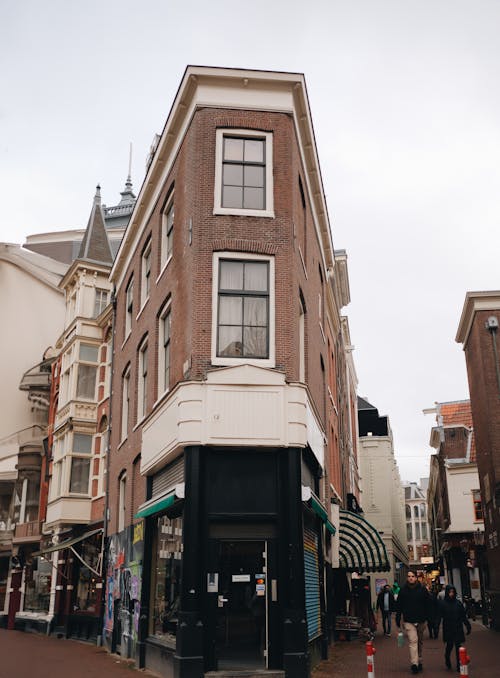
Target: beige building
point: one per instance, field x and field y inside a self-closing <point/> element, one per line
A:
<point x="382" y="495"/>
<point x="27" y="281"/>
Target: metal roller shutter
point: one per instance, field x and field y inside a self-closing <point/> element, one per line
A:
<point x="311" y="572"/>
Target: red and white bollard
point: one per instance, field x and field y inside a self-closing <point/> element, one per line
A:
<point x="370" y="659"/>
<point x="464" y="661"/>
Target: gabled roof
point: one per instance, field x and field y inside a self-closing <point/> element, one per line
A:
<point x="95" y="244"/>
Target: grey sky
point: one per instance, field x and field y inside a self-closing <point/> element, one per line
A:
<point x="406" y="106"/>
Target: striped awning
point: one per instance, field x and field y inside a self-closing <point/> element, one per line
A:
<point x="361" y="547"/>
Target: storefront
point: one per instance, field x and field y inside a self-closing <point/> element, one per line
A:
<point x="233" y="570"/>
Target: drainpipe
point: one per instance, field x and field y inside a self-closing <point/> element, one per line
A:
<point x="492" y="327"/>
<point x="104" y="561"/>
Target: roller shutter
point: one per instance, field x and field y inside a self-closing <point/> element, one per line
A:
<point x="311" y="574"/>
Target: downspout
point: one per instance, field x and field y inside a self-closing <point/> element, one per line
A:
<point x="104" y="559"/>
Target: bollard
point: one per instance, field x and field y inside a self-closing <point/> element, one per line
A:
<point x="370" y="659"/>
<point x="464" y="661"/>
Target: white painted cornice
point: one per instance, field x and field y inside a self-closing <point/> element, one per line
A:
<point x="475" y="301"/>
<point x="238" y="89"/>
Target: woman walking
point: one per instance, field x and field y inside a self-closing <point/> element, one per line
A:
<point x="452" y="612"/>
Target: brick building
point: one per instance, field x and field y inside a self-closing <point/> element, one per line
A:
<point x="233" y="409"/>
<point x="478" y="334"/>
<point x="454" y="499"/>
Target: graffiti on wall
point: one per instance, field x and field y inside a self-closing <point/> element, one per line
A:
<point x="123" y="588"/>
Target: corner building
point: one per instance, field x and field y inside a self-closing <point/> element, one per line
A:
<point x="227" y="287"/>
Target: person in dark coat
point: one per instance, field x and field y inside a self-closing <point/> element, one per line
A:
<point x="385" y="603"/>
<point x="452" y="614"/>
<point x="432" y="623"/>
<point x="413" y="606"/>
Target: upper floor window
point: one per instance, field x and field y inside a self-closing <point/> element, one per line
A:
<point x="122" y="506"/>
<point x="167" y="231"/>
<point x="125" y="402"/>
<point x="80" y="463"/>
<point x="243" y="316"/>
<point x="101" y="301"/>
<point x="146" y="273"/>
<point x="129" y="306"/>
<point x="244" y="173"/>
<point x="478" y="505"/>
<point x="165" y="319"/>
<point x="143" y="381"/>
<point x="87" y="371"/>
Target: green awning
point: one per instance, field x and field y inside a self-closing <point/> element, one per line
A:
<point x="320" y="511"/>
<point x="156" y="506"/>
<point x="361" y="548"/>
<point x="66" y="544"/>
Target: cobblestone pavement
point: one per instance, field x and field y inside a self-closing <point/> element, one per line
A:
<point x="31" y="655"/>
<point x="348" y="659"/>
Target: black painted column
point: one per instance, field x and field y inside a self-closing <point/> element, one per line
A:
<point x="295" y="646"/>
<point x="188" y="658"/>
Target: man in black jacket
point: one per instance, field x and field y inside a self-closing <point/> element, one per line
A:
<point x="413" y="606"/>
<point x="385" y="603"/>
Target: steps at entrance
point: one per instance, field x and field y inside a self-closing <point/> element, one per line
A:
<point x="248" y="673"/>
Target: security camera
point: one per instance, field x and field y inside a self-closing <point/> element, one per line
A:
<point x="492" y="323"/>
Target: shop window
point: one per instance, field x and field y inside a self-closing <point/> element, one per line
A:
<point x="86" y="591"/>
<point x="37" y="581"/>
<point x="4" y="573"/>
<point x="166" y="578"/>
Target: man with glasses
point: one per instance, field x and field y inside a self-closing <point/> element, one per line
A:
<point x="413" y="606"/>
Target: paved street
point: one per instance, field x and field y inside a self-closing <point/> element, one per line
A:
<point x="30" y="655"/>
<point x="24" y="655"/>
<point x="348" y="659"/>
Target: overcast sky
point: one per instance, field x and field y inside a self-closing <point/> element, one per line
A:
<point x="405" y="101"/>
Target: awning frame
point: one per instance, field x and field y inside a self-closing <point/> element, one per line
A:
<point x="164" y="501"/>
<point x="360" y="545"/>
<point x="314" y="502"/>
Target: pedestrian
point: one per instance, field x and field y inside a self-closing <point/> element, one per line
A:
<point x="385" y="603"/>
<point x="452" y="612"/>
<point x="433" y="619"/>
<point x="413" y="606"/>
<point x="396" y="588"/>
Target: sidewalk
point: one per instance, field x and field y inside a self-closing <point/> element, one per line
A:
<point x="32" y="655"/>
<point x="348" y="659"/>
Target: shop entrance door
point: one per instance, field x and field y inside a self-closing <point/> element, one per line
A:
<point x="241" y="634"/>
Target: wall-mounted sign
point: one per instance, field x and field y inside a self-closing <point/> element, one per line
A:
<point x="212" y="582"/>
<point x="240" y="577"/>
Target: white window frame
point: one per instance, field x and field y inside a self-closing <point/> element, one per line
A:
<point x="80" y="455"/>
<point x="99" y="306"/>
<point x="122" y="503"/>
<point x="86" y="363"/>
<point x="268" y="211"/>
<point x="241" y="256"/>
<point x="129" y="306"/>
<point x="146" y="273"/>
<point x="142" y="380"/>
<point x="125" y="403"/>
<point x="166" y="311"/>
<point x="167" y="233"/>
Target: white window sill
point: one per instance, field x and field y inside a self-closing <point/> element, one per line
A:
<point x="234" y="211"/>
<point x="142" y="308"/>
<point x="140" y="422"/>
<point x="126" y="339"/>
<point x="229" y="362"/>
<point x="165" y="265"/>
